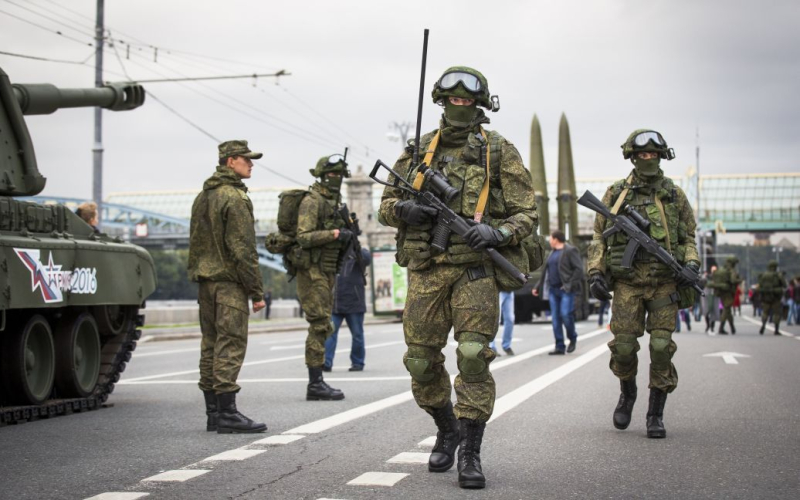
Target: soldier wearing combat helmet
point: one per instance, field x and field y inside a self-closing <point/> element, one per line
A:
<point x="322" y="239"/>
<point x="223" y="259"/>
<point x="647" y="296"/>
<point x="724" y="282"/>
<point x="458" y="288"/>
<point x="771" y="286"/>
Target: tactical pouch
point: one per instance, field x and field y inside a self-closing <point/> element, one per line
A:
<point x="299" y="258"/>
<point x="687" y="295"/>
<point x="416" y="247"/>
<point x="533" y="245"/>
<point x="517" y="256"/>
<point x="401" y="257"/>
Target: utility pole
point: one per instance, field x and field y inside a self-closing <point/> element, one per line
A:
<point x="97" y="150"/>
<point x="401" y="131"/>
<point x="697" y="200"/>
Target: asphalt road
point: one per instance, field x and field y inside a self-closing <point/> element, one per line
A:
<point x="732" y="427"/>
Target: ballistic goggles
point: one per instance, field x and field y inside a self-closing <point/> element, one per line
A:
<point x="335" y="159"/>
<point x="642" y="139"/>
<point x="470" y="82"/>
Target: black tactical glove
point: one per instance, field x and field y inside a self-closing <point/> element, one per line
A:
<point x="689" y="275"/>
<point x="345" y="235"/>
<point x="481" y="236"/>
<point x="598" y="287"/>
<point x="414" y="213"/>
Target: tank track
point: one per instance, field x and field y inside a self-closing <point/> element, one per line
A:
<point x="116" y="352"/>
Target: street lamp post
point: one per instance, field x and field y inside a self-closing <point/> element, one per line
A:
<point x="777" y="251"/>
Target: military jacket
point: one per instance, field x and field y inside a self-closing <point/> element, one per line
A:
<point x="222" y="237"/>
<point x="317" y="217"/>
<point x="771" y="286"/>
<point x="511" y="204"/>
<point x="605" y="255"/>
<point x="724" y="281"/>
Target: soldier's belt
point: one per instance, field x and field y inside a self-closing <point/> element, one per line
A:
<point x="656" y="304"/>
<point x="484" y="270"/>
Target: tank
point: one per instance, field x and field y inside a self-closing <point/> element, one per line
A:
<point x="69" y="296"/>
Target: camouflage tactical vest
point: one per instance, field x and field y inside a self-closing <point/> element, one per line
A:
<point x="643" y="201"/>
<point x="466" y="171"/>
<point x="770" y="285"/>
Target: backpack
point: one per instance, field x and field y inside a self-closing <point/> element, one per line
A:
<point x="283" y="241"/>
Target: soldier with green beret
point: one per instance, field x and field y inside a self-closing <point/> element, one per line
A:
<point x="457" y="288"/>
<point x="322" y="239"/>
<point x="646" y="296"/>
<point x="223" y="260"/>
<point x="724" y="282"/>
<point x="771" y="286"/>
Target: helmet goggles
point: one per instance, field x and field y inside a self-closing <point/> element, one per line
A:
<point x="642" y="139"/>
<point x="335" y="159"/>
<point x="470" y="82"/>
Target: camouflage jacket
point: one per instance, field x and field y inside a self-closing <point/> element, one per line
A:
<point x="511" y="204"/>
<point x="317" y="217"/>
<point x="605" y="255"/>
<point x="222" y="236"/>
<point x="771" y="285"/>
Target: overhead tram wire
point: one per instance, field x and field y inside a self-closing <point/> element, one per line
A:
<point x="89" y="23"/>
<point x="309" y="136"/>
<point x="46" y="59"/>
<point x="49" y="30"/>
<point x="90" y="33"/>
<point x="198" y="127"/>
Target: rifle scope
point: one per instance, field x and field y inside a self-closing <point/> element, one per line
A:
<point x="438" y="183"/>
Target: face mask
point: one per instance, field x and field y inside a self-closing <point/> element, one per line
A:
<point x="647" y="168"/>
<point x="459" y="116"/>
<point x="334" y="183"/>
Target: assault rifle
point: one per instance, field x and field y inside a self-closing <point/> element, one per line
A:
<point x="434" y="188"/>
<point x="351" y="223"/>
<point x="633" y="225"/>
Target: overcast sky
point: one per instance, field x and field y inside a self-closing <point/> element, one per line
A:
<point x="728" y="68"/>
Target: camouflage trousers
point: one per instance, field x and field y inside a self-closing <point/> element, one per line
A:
<point x="774" y="308"/>
<point x="727" y="310"/>
<point x="224" y="313"/>
<point x="315" y="290"/>
<point x="629" y="320"/>
<point x="439" y="299"/>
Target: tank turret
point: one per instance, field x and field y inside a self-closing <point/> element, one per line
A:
<point x="70" y="296"/>
<point x="19" y="174"/>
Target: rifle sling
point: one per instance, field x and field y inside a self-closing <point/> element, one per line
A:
<point x="663" y="220"/>
<point x="420" y="178"/>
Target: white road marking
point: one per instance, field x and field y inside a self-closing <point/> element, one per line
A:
<point x="428" y="442"/>
<point x="118" y="495"/>
<point x="728" y="357"/>
<point x="770" y="328"/>
<point x="361" y="411"/>
<point x="410" y="458"/>
<point x="177" y="476"/>
<point x="237" y="454"/>
<point x="520" y="394"/>
<point x="278" y="439"/>
<point x="378" y="479"/>
<point x="248" y="363"/>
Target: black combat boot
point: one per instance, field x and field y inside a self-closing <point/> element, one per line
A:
<point x="231" y="421"/>
<point x="211" y="410"/>
<point x="318" y="390"/>
<point x="470" y="474"/>
<point x="627" y="397"/>
<point x="777" y="329"/>
<point x="443" y="453"/>
<point x="655" y="414"/>
<point x="722" y="328"/>
<point x="763" y="325"/>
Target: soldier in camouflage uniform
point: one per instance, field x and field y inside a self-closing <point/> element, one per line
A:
<point x="724" y="281"/>
<point x="322" y="239"/>
<point x="223" y="259"/>
<point x="771" y="286"/>
<point x="457" y="288"/>
<point x="645" y="296"/>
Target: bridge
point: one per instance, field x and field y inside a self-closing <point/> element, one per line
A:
<point x="150" y="229"/>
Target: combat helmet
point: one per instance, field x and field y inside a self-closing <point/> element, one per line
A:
<point x="732" y="261"/>
<point x="334" y="163"/>
<point x="772" y="265"/>
<point x="466" y="83"/>
<point x="646" y="140"/>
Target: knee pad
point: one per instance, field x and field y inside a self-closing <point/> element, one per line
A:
<point x="472" y="360"/>
<point x="660" y="343"/>
<point x="625" y="348"/>
<point x="419" y="362"/>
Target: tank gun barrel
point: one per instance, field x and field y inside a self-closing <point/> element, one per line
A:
<point x="44" y="98"/>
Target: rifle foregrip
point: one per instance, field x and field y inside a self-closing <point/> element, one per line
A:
<point x="507" y="266"/>
<point x="441" y="236"/>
